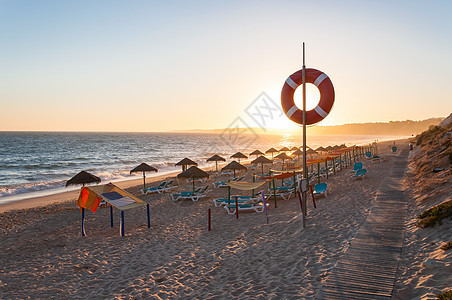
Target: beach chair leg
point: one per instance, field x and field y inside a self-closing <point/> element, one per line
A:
<point x="121" y="225"/>
<point x="149" y="215"/>
<point x="83" y="222"/>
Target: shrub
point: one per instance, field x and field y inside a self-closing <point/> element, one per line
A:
<point x="445" y="296"/>
<point x="446" y="246"/>
<point x="431" y="216"/>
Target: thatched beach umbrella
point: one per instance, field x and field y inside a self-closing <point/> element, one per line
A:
<point x="329" y="148"/>
<point x="320" y="149"/>
<point x="271" y="150"/>
<point x="311" y="152"/>
<point x="193" y="172"/>
<point x="283" y="156"/>
<point x="284" y="149"/>
<point x="239" y="155"/>
<point x="186" y="162"/>
<point x="294" y="148"/>
<point x="233" y="165"/>
<point x="262" y="160"/>
<point x="144" y="168"/>
<point x="216" y="158"/>
<point x="83" y="178"/>
<point x="257" y="153"/>
<point x="298" y="153"/>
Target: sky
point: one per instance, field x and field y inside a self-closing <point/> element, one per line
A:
<point x="179" y="65"/>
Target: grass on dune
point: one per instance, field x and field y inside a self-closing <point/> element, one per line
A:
<point x="436" y="214"/>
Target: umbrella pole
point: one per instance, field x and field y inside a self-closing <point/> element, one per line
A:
<point x="216" y="166"/>
<point x="229" y="194"/>
<point x="326" y="167"/>
<point x="193" y="179"/>
<point x="254" y="180"/>
<point x="318" y="172"/>
<point x="144" y="180"/>
<point x="334" y="165"/>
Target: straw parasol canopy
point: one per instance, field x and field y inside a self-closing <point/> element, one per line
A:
<point x="294" y="148"/>
<point x="186" y="162"/>
<point x="257" y="153"/>
<point x="311" y="151"/>
<point x="283" y="156"/>
<point x="298" y="152"/>
<point x="329" y="148"/>
<point x="83" y="178"/>
<point x="216" y="158"/>
<point x="271" y="150"/>
<point x="262" y="160"/>
<point x="193" y="172"/>
<point x="239" y="155"/>
<point x="233" y="165"/>
<point x="320" y="149"/>
<point x="284" y="149"/>
<point x="144" y="168"/>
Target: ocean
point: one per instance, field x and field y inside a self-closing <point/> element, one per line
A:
<point x="40" y="163"/>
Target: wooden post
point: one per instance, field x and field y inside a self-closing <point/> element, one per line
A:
<point x="274" y="191"/>
<point x="149" y="215"/>
<point x="301" y="202"/>
<point x="83" y="221"/>
<point x="121" y="225"/>
<point x="312" y="194"/>
<point x="111" y="216"/>
<point x="209" y="227"/>
<point x="236" y="208"/>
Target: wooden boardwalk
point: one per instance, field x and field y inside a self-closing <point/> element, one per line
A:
<point x="368" y="268"/>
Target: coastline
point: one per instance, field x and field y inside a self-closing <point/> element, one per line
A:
<point x="128" y="184"/>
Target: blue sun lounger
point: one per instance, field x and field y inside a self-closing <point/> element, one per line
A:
<point x="320" y="189"/>
<point x="360" y="174"/>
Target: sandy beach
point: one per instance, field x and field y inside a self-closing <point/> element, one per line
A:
<point x="43" y="254"/>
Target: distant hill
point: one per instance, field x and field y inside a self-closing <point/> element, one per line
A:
<point x="402" y="128"/>
<point x="389" y="128"/>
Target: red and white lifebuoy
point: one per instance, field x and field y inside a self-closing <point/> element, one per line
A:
<point x="326" y="102"/>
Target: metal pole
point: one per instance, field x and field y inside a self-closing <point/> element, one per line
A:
<point x="305" y="170"/>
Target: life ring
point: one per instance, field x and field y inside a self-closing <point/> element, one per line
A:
<point x="325" y="86"/>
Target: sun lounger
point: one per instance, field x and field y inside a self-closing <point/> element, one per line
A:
<point x="241" y="200"/>
<point x="320" y="189"/>
<point x="356" y="166"/>
<point x="224" y="183"/>
<point x="158" y="189"/>
<point x="281" y="194"/>
<point x="224" y="173"/>
<point x="169" y="185"/>
<point x="194" y="196"/>
<point x="257" y="207"/>
<point x="360" y="174"/>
